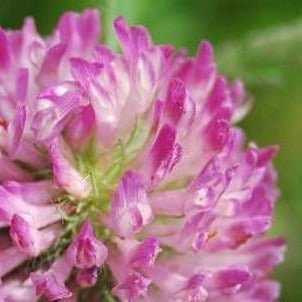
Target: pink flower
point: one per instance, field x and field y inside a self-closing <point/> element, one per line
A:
<point x="146" y="253"/>
<point x="123" y="175"/>
<point x="48" y="285"/>
<point x="130" y="210"/>
<point x="86" y="251"/>
<point x="87" y="277"/>
<point x="23" y="235"/>
<point x="134" y="286"/>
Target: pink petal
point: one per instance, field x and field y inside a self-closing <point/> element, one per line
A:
<point x="130" y="209"/>
<point x="134" y="286"/>
<point x="65" y="175"/>
<point x="47" y="284"/>
<point x="87" y="277"/>
<point x="145" y="254"/>
<point x="85" y="250"/>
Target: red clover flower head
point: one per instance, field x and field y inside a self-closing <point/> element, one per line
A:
<point x="123" y="176"/>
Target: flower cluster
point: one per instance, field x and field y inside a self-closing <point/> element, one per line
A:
<point x="122" y="177"/>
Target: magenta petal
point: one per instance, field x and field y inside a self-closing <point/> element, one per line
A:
<point x="16" y="128"/>
<point x="122" y="32"/>
<point x="175" y="102"/>
<point x="266" y="254"/>
<point x="219" y="94"/>
<point x="83" y="71"/>
<point x="80" y="32"/>
<point x="51" y="63"/>
<point x="261" y="157"/>
<point x="4" y="52"/>
<point x="56" y="105"/>
<point x="194" y="290"/>
<point x="15" y="290"/>
<point x="32" y="192"/>
<point x="130" y="209"/>
<point x="86" y="251"/>
<point x="266" y="291"/>
<point x="87" y="277"/>
<point x="145" y="254"/>
<point x="65" y="175"/>
<point x="47" y="285"/>
<point x="22" y="84"/>
<point x="134" y="40"/>
<point x="104" y="54"/>
<point x="23" y="235"/>
<point x="231" y="279"/>
<point x="9" y="170"/>
<point x="80" y="128"/>
<point x="134" y="286"/>
<point x="196" y="229"/>
<point x="164" y="154"/>
<point x="205" y="65"/>
<point x="217" y="132"/>
<point x="11" y="258"/>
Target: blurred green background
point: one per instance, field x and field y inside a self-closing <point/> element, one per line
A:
<point x="259" y="41"/>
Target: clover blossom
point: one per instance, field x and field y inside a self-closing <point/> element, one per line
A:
<point x="123" y="177"/>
